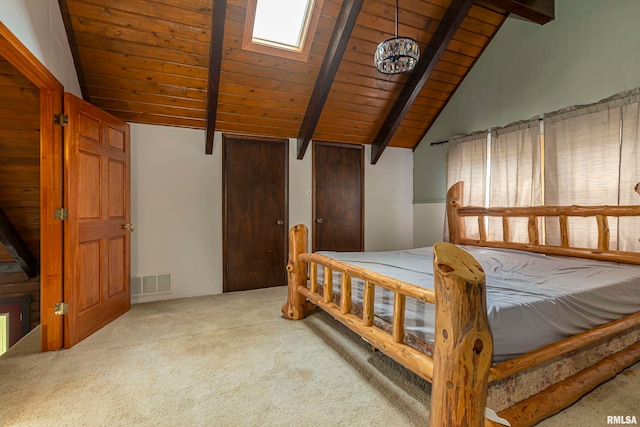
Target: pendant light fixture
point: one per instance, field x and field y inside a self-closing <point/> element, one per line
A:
<point x="398" y="54"/>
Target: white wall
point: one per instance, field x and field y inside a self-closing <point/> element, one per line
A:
<point x="176" y="192"/>
<point x="428" y="225"/>
<point x="388" y="209"/>
<point x="589" y="52"/>
<point x="38" y="25"/>
<point x="300" y="187"/>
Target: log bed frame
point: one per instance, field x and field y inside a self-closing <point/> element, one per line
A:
<point x="461" y="368"/>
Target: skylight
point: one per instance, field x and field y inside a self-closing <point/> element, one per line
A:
<point x="281" y="23"/>
<point x="281" y="27"/>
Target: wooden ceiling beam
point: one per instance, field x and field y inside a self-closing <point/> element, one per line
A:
<point x="447" y="28"/>
<point x="339" y="39"/>
<point x="75" y="53"/>
<point x="215" y="59"/>
<point x="17" y="248"/>
<point x="538" y="11"/>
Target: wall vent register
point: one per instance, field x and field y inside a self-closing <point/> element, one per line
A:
<point x="151" y="284"/>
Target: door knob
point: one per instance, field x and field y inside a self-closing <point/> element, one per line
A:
<point x="128" y="227"/>
<point x="280" y="222"/>
<point x="319" y="220"/>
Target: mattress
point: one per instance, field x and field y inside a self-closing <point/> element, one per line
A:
<point x="532" y="299"/>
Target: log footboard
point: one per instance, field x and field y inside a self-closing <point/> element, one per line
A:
<point x="463" y="342"/>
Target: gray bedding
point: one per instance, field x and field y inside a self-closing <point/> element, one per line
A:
<point x="532" y="300"/>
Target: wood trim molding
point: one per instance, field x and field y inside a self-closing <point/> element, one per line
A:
<point x="447" y="28"/>
<point x="51" y="160"/>
<point x="20" y="57"/>
<point x="339" y="39"/>
<point x="538" y="11"/>
<point x="215" y="60"/>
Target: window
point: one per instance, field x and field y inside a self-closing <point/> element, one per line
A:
<point x="467" y="162"/>
<point x="281" y="27"/>
<point x="283" y="30"/>
<point x="582" y="150"/>
<point x="582" y="155"/>
<point x="515" y="175"/>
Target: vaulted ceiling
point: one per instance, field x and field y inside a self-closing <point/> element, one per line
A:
<point x="182" y="63"/>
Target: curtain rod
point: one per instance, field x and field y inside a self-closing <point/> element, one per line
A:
<point x="439" y="142"/>
<point x="446" y="140"/>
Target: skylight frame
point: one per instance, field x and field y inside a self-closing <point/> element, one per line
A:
<point x="301" y="51"/>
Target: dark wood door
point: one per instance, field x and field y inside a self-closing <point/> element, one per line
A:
<point x="97" y="231"/>
<point x="255" y="213"/>
<point x="338" y="203"/>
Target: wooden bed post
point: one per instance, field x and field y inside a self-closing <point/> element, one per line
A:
<point x="454" y="201"/>
<point x="463" y="342"/>
<point x="295" y="307"/>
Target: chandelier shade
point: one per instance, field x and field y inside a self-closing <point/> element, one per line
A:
<point x="397" y="54"/>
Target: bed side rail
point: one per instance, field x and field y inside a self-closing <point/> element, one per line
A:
<point x="456" y="213"/>
<point x="459" y="369"/>
<point x="392" y="344"/>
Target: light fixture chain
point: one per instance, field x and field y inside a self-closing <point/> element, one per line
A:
<point x="398" y="54"/>
<point x="397" y="18"/>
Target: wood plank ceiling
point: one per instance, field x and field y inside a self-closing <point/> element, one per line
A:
<point x="148" y="61"/>
<point x="19" y="170"/>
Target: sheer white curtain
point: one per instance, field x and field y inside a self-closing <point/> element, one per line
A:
<point x="515" y="175"/>
<point x="582" y="164"/>
<point x="590" y="156"/>
<point x="629" y="235"/>
<point x="467" y="162"/>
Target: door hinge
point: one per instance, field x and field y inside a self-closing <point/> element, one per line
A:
<point x="61" y="308"/>
<point x="61" y="119"/>
<point x="61" y="213"/>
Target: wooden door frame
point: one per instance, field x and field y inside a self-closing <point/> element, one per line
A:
<point x="284" y="141"/>
<point x="313" y="180"/>
<point x="51" y="163"/>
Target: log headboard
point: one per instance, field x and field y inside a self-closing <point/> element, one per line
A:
<point x="456" y="214"/>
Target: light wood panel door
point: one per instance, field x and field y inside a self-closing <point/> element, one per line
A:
<point x="97" y="231"/>
<point x="255" y="213"/>
<point x="338" y="202"/>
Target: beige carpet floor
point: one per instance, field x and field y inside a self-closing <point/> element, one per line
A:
<point x="231" y="360"/>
